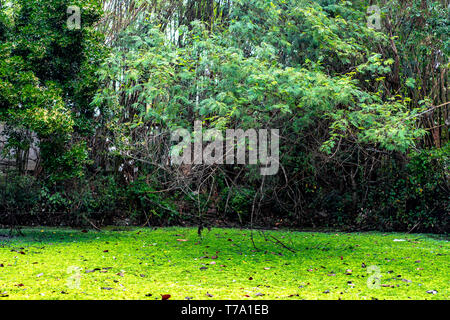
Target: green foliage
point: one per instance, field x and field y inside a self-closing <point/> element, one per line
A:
<point x="100" y="199"/>
<point x="47" y="79"/>
<point x="237" y="202"/>
<point x="362" y="113"/>
<point x="310" y="69"/>
<point x="413" y="195"/>
<point x="229" y="83"/>
<point x="150" y="205"/>
<point x="19" y="194"/>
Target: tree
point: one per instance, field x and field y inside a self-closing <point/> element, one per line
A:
<point x="47" y="79"/>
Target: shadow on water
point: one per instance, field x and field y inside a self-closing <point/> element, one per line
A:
<point x="38" y="235"/>
<point x="32" y="236"/>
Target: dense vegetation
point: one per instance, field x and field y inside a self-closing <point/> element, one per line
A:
<point x="363" y="114"/>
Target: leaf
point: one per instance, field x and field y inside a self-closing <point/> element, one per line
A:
<point x="411" y="83"/>
<point x="406" y="280"/>
<point x="209" y="295"/>
<point x="165" y="296"/>
<point x="182" y="240"/>
<point x="93" y="270"/>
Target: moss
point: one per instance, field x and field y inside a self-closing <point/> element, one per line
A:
<point x="146" y="263"/>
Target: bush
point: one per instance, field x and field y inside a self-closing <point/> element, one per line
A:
<point x="413" y="196"/>
<point x="18" y="197"/>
